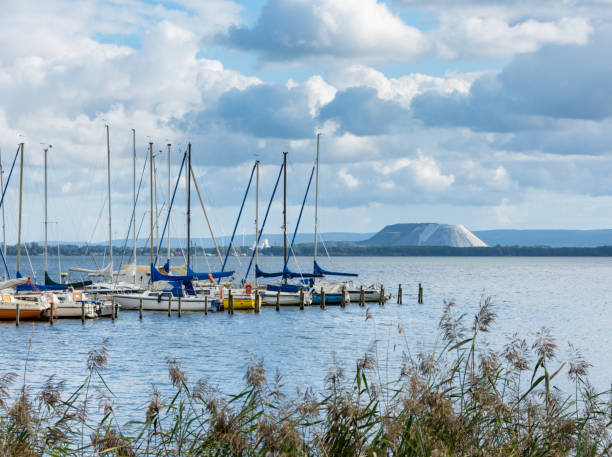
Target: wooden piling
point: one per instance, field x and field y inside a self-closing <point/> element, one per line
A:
<point x="381" y="298"/>
<point x="342" y="297"/>
<point x="230" y="302"/>
<point x="302" y="299"/>
<point x="322" y="298"/>
<point x="51" y="311"/>
<point x="257" y="302"/>
<point x="206" y="306"/>
<point x="17" y="314"/>
<point x="140" y="308"/>
<point x="113" y="309"/>
<point x="420" y="297"/>
<point x="361" y="296"/>
<point x="180" y="306"/>
<point x="170" y="306"/>
<point x="82" y="311"/>
<point x="399" y="294"/>
<point x="278" y="300"/>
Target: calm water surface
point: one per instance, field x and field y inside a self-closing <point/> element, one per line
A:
<point x="571" y="296"/>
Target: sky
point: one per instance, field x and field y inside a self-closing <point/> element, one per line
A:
<point x="487" y="113"/>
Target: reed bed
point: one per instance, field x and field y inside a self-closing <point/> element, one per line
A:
<point x="460" y="399"/>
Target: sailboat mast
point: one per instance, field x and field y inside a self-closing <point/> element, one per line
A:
<point x="285" y="210"/>
<point x="188" y="205"/>
<point x="46" y="215"/>
<point x="3" y="219"/>
<point x="169" y="193"/>
<point x="110" y="214"/>
<point x="20" y="208"/>
<point x="256" y="217"/>
<point x="134" y="199"/>
<point x="151" y="194"/>
<point x="316" y="225"/>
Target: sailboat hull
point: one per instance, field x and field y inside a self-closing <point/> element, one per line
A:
<point x="160" y="302"/>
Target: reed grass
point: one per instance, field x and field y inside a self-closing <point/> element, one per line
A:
<point x="460" y="399"/>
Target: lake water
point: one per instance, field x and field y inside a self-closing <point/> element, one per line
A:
<point x="571" y="296"/>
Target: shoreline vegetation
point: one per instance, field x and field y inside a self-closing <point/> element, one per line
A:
<point x="345" y="250"/>
<point x="461" y="399"/>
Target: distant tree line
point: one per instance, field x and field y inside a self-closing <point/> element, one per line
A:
<point x="344" y="250"/>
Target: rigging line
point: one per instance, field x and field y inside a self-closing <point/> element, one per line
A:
<point x="238" y="219"/>
<point x="170" y="207"/>
<point x="25" y="245"/>
<point x="297" y="225"/>
<point x="212" y="234"/>
<point x="8" y="275"/>
<point x="265" y="218"/>
<point x="127" y="236"/>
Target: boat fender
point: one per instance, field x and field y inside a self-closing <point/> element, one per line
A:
<point x="159" y="297"/>
<point x="249" y="288"/>
<point x="77" y="296"/>
<point x="211" y="279"/>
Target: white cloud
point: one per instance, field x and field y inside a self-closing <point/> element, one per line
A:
<point x="496" y="38"/>
<point x="402" y="89"/>
<point x="348" y="179"/>
<point x="293" y="30"/>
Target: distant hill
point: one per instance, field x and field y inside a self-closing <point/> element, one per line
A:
<point x="552" y="238"/>
<point x="424" y="235"/>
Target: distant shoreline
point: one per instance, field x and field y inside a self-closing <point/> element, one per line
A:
<point x="352" y="250"/>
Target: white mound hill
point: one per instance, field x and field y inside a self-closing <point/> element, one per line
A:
<point x="425" y="235"/>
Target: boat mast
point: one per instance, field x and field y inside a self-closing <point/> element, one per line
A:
<point x="20" y="208"/>
<point x="151" y="199"/>
<point x="285" y="210"/>
<point x="46" y="215"/>
<point x="256" y="217"/>
<point x="188" y="205"/>
<point x="110" y="214"/>
<point x="316" y="225"/>
<point x="134" y="199"/>
<point x="3" y="220"/>
<point x="169" y="193"/>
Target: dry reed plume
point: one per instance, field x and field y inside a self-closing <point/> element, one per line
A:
<point x="460" y="400"/>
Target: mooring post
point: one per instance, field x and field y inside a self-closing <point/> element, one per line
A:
<point x="420" y="298"/>
<point x="399" y="294"/>
<point x="342" y="297"/>
<point x="180" y="307"/>
<point x="361" y="296"/>
<point x="278" y="300"/>
<point x="113" y="309"/>
<point x="17" y="312"/>
<point x="230" y="302"/>
<point x="82" y="311"/>
<point x="140" y="308"/>
<point x="257" y="302"/>
<point x="322" y="298"/>
<point x="302" y="299"/>
<point x="206" y="305"/>
<point x="381" y="298"/>
<point x="51" y="310"/>
<point x="169" y="305"/>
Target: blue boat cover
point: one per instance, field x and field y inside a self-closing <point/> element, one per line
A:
<point x="29" y="286"/>
<point x="204" y="276"/>
<point x="293" y="288"/>
<point x="286" y="274"/>
<point x="321" y="272"/>
<point x="156" y="275"/>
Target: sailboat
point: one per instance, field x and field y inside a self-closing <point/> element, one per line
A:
<point x="178" y="290"/>
<point x="285" y="293"/>
<point x="66" y="303"/>
<point x="371" y="292"/>
<point x="113" y="284"/>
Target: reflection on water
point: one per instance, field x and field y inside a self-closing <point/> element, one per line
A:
<point x="572" y="296"/>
